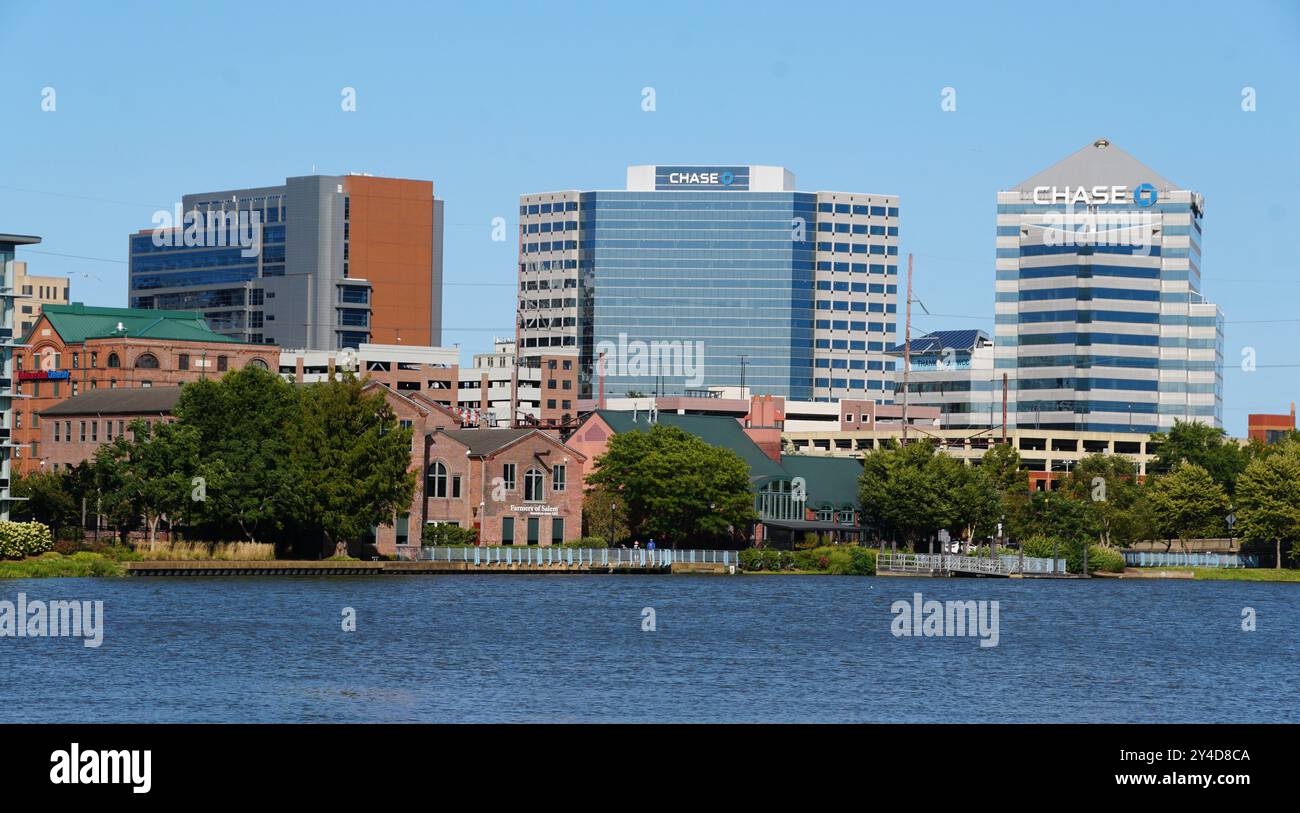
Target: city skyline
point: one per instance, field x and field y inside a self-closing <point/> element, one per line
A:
<point x="93" y="171"/>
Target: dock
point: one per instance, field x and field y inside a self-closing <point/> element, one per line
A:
<point x="942" y="565"/>
<point x="433" y="561"/>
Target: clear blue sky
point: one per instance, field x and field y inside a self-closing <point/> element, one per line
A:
<point x="494" y="100"/>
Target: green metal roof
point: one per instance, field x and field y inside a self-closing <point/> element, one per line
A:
<point x="77" y="322"/>
<point x="831" y="482"/>
<point x="715" y="430"/>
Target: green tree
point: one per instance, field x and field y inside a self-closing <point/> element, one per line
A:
<point x="151" y="472"/>
<point x="1202" y="445"/>
<point x="348" y="463"/>
<point x="1187" y="503"/>
<point x="1055" y="514"/>
<point x="674" y="486"/>
<point x="245" y="422"/>
<point x="1107" y="486"/>
<point x="911" y="491"/>
<point x="1268" y="499"/>
<point x="977" y="502"/>
<point x="46" y="498"/>
<point x="604" y="515"/>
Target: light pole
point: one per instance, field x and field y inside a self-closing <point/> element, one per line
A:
<point x="613" y="522"/>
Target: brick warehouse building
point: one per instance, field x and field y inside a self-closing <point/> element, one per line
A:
<point x="516" y="486"/>
<point x="76" y="348"/>
<point x="74" y="429"/>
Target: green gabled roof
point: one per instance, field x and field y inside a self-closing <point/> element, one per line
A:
<point x="77" y="322"/>
<point x="831" y="482"/>
<point x="715" y="430"/>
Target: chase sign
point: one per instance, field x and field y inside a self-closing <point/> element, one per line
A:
<point x="724" y="179"/>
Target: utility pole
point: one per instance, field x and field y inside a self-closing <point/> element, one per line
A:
<point x="742" y="375"/>
<point x="1004" y="409"/>
<point x="907" y="345"/>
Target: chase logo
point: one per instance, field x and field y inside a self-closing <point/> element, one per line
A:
<point x="1144" y="195"/>
<point x="718" y="178"/>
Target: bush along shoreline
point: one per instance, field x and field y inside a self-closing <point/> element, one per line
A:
<point x="833" y="560"/>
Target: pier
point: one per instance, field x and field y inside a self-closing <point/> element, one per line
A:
<point x="1012" y="567"/>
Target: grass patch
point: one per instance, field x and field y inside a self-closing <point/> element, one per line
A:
<point x="205" y="551"/>
<point x="56" y="566"/>
<point x="1242" y="574"/>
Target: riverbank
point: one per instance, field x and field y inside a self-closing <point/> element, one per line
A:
<point x="57" y="566"/>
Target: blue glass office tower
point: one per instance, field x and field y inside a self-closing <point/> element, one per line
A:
<point x="1100" y="321"/>
<point x="788" y="293"/>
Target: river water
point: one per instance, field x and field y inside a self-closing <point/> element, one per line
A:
<point x="505" y="648"/>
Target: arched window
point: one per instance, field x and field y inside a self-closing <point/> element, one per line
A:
<point x="533" y="486"/>
<point x="258" y="363"/>
<point x="146" y="361"/>
<point x="113" y="360"/>
<point x="437" y="480"/>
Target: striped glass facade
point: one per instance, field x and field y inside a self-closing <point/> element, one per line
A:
<point x="1100" y="321"/>
<point x="790" y="293"/>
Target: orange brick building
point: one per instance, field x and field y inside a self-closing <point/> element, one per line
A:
<point x="73" y="349"/>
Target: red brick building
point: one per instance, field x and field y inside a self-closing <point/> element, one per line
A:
<point x="1268" y="428"/>
<point x="516" y="486"/>
<point x="75" y="349"/>
<point x="72" y="430"/>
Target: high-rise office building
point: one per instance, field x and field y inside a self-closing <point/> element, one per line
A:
<point x="1100" y="320"/>
<point x="10" y="338"/>
<point x="320" y="263"/>
<point x="697" y="276"/>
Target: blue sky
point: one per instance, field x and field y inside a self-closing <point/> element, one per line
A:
<point x="506" y="99"/>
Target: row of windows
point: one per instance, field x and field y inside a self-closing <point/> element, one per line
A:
<point x="858" y="268"/>
<point x="63" y="430"/>
<point x="856" y="287"/>
<point x="853" y="364"/>
<point x="846" y="209"/>
<point x="849" y="383"/>
<point x="440" y="485"/>
<point x="855" y="228"/>
<point x="858" y="248"/>
<point x="856" y="307"/>
<point x="856" y="327"/>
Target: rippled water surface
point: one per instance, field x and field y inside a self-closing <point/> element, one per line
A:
<point x="571" y="648"/>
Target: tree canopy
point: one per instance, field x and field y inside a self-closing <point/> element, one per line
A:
<point x="672" y="486"/>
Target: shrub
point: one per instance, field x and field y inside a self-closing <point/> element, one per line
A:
<point x="1040" y="546"/>
<point x="587" y="542"/>
<point x="22" y="539"/>
<point x="1107" y="560"/>
<point x="447" y="535"/>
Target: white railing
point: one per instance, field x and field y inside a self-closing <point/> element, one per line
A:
<point x="554" y="555"/>
<point x="953" y="563"/>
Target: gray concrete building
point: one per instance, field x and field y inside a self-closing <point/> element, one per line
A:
<point x="321" y="262"/>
